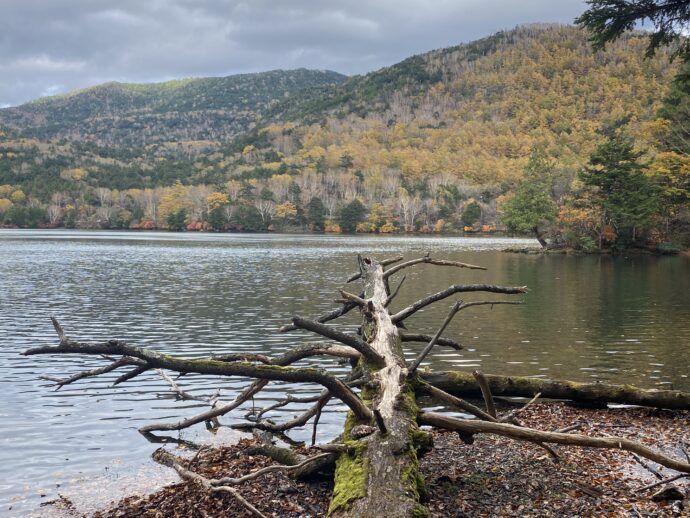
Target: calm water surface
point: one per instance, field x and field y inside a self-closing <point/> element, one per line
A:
<point x="624" y="319"/>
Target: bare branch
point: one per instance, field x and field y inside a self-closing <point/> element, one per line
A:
<point x="664" y="481"/>
<point x="300" y="420"/>
<point x="210" y="414"/>
<point x="326" y="317"/>
<point x="442" y="395"/>
<point x="256" y="415"/>
<point x="351" y="297"/>
<point x="132" y="374"/>
<point x="59" y="330"/>
<point x="270" y="469"/>
<point x="512" y="415"/>
<point x="418" y="337"/>
<point x="214" y="367"/>
<point x="429" y="260"/>
<point x="116" y="364"/>
<point x="531" y="435"/>
<point x="347" y="339"/>
<point x="395" y="292"/>
<point x="459" y="288"/>
<point x="163" y="457"/>
<point x="181" y="394"/>
<point x="380" y="422"/>
<point x="486" y="393"/>
<point x="453" y="310"/>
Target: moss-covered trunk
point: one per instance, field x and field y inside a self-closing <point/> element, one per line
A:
<point x="464" y="384"/>
<point x="380" y="477"/>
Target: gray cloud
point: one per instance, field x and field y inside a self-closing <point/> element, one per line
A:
<point x="53" y="46"/>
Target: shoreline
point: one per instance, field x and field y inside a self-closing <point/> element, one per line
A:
<point x="493" y="477"/>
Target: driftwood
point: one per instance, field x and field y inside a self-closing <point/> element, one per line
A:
<point x="376" y="457"/>
<point x="463" y="384"/>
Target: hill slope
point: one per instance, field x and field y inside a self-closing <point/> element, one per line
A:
<point x="214" y="108"/>
<point x="450" y="125"/>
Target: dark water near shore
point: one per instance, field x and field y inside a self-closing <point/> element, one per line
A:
<point x="623" y="319"/>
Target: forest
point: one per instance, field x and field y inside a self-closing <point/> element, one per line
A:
<point x="508" y="133"/>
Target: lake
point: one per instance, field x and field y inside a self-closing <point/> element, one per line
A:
<point x="615" y="319"/>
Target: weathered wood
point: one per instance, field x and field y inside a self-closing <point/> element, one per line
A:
<point x="382" y="477"/>
<point x="463" y="384"/>
<point x="539" y="436"/>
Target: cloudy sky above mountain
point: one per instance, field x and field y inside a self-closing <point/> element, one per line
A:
<point x="49" y="47"/>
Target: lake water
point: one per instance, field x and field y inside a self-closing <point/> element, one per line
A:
<point x="622" y="319"/>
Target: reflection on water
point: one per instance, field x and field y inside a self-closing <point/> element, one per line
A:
<point x="613" y="319"/>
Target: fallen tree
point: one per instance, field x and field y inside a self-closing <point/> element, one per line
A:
<point x="376" y="456"/>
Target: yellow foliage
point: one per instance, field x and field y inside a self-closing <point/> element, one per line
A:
<point x="286" y="210"/>
<point x="365" y="228"/>
<point x="438" y="226"/>
<point x="17" y="196"/>
<point x="74" y="174"/>
<point x="216" y="199"/>
<point x="272" y="166"/>
<point x="388" y="228"/>
<point x="4" y="205"/>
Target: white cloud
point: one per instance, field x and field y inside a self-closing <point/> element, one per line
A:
<point x="78" y="43"/>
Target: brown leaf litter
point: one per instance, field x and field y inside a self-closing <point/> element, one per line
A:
<point x="494" y="477"/>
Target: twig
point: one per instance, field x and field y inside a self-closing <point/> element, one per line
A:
<point x="664" y="481"/>
<point x="647" y="467"/>
<point x="486" y="392"/>
<point x="453" y="310"/>
<point x="181" y="394"/>
<point x="326" y="317"/>
<point x="351" y="297"/>
<point x="570" y="428"/>
<point x="380" y="422"/>
<point x="316" y="421"/>
<point x="269" y="469"/>
<point x="418" y="337"/>
<point x="456" y="401"/>
<point x="459" y="288"/>
<point x="395" y="291"/>
<point x="513" y="414"/>
<point x="329" y="332"/>
<point x="116" y="364"/>
<point x="474" y="426"/>
<point x="163" y="457"/>
<point x="429" y="260"/>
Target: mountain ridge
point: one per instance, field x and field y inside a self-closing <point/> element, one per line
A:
<point x="467" y="115"/>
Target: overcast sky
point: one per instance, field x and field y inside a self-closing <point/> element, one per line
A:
<point x="53" y="46"/>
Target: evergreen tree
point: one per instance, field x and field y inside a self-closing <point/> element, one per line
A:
<point x="316" y="213"/>
<point x="217" y="218"/>
<point x="608" y="20"/>
<point x="177" y="219"/>
<point x="351" y="214"/>
<point x="471" y="214"/>
<point x="626" y="196"/>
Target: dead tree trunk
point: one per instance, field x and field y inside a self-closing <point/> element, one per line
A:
<point x="381" y="477"/>
<point x="463" y="384"/>
<point x="377" y="470"/>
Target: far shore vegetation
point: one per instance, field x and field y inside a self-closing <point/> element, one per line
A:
<point x="582" y="151"/>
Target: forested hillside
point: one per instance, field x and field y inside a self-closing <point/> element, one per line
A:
<point x="437" y="141"/>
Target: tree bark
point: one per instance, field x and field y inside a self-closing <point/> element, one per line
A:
<point x="381" y="477"/>
<point x="464" y="384"/>
<point x="541" y="240"/>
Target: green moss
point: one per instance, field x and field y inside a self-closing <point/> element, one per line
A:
<point x="351" y="475"/>
<point x="422" y="441"/>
